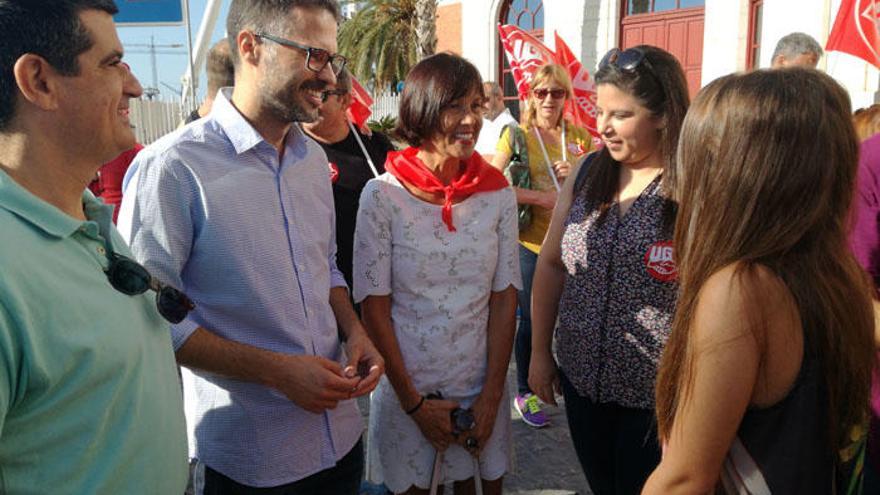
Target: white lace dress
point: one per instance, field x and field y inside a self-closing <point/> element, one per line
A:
<point x="440" y="283"/>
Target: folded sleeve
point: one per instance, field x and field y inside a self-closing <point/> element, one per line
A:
<point x="373" y="244"/>
<point x="158" y="222"/>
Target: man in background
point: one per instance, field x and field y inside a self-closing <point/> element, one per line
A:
<point x="221" y="74"/>
<point x="353" y="159"/>
<point x="797" y="50"/>
<point x="495" y="117"/>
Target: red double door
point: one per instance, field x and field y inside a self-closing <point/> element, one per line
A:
<point x="680" y="32"/>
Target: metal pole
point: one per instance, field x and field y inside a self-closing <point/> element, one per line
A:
<point x="202" y="42"/>
<point x="153" y="62"/>
<point x="187" y="105"/>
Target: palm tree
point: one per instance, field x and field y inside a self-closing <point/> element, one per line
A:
<point x="426" y="27"/>
<point x="380" y="41"/>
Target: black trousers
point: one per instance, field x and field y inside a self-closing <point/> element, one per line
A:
<point x="616" y="446"/>
<point x="343" y="479"/>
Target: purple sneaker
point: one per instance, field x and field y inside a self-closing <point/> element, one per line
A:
<point x="528" y="407"/>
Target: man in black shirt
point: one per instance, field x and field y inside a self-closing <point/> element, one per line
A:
<point x="347" y="149"/>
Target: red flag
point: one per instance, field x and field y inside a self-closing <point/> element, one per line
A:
<point x="855" y="30"/>
<point x="581" y="111"/>
<point x="359" y="110"/>
<point x="525" y="54"/>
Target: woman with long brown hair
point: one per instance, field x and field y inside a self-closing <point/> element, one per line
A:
<point x="769" y="362"/>
<point x="606" y="270"/>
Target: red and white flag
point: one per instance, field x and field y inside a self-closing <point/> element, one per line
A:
<point x="359" y="110"/>
<point x="855" y="30"/>
<point x="525" y="54"/>
<point x="581" y="111"/>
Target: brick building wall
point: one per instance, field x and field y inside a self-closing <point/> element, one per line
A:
<point x="449" y="28"/>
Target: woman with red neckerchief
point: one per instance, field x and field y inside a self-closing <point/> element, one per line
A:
<point x="436" y="269"/>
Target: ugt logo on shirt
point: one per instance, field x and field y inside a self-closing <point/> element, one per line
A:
<point x="660" y="262"/>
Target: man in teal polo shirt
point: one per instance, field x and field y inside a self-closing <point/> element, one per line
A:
<point x="89" y="397"/>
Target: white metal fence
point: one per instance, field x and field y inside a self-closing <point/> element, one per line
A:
<point x="385" y="104"/>
<point x="153" y="119"/>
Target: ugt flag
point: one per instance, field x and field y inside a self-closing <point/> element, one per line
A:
<point x="581" y="111"/>
<point x="525" y="54"/>
<point x="855" y="30"/>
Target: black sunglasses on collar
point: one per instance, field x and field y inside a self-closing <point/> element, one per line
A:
<point x="131" y="278"/>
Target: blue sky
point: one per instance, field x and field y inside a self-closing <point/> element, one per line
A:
<point x="171" y="63"/>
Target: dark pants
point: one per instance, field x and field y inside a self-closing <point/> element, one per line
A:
<point x="616" y="446"/>
<point x="522" y="350"/>
<point x="343" y="479"/>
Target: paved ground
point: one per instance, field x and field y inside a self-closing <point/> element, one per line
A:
<point x="545" y="462"/>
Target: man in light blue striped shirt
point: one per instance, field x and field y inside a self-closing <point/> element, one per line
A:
<point x="237" y="210"/>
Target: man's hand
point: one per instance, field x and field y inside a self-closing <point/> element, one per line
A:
<point x="365" y="363"/>
<point x="313" y="383"/>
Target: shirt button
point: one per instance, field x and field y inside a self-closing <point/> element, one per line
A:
<point x="101" y="250"/>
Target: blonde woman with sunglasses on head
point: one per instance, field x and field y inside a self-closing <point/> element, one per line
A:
<point x="553" y="145"/>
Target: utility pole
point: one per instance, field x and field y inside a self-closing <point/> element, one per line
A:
<point x="153" y="90"/>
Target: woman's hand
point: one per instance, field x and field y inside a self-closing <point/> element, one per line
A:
<point x="433" y="419"/>
<point x="485" y="411"/>
<point x="544" y="377"/>
<point x="547" y="199"/>
<point x="562" y="169"/>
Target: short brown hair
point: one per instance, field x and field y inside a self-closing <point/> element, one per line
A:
<point x="867" y="121"/>
<point x="264" y="15"/>
<point x="432" y="84"/>
<point x="221" y="72"/>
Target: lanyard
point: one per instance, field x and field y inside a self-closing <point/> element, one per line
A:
<point x="363" y="148"/>
<point x="547" y="156"/>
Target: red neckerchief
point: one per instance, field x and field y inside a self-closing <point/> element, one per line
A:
<point x="478" y="176"/>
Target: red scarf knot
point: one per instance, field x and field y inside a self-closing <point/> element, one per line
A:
<point x="477" y="176"/>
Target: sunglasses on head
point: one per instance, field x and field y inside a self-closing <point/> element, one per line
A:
<point x="554" y="93"/>
<point x="131" y="278"/>
<point x="626" y="60"/>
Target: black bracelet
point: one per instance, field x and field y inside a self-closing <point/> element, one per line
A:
<point x="416" y="407"/>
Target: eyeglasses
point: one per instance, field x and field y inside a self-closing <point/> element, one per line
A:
<point x="131" y="278"/>
<point x="542" y="93"/>
<point x="333" y="92"/>
<point x="316" y="58"/>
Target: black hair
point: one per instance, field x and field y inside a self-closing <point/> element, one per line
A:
<point x="659" y="84"/>
<point x="431" y="85"/>
<point x="51" y="29"/>
<point x="264" y="15"/>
